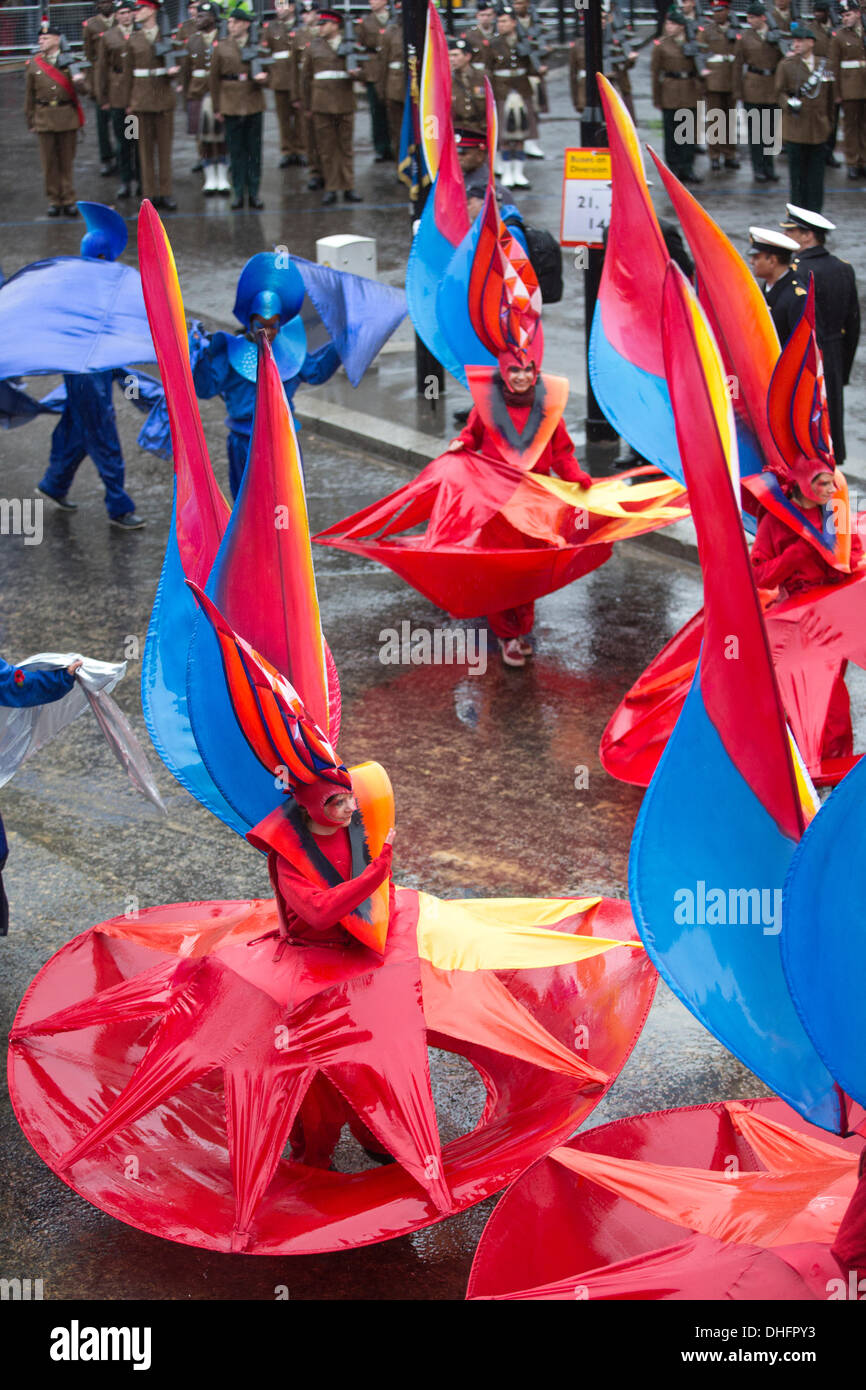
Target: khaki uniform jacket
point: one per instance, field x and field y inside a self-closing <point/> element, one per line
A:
<point x="753" y="53"/>
<point x="196" y="64"/>
<point x="325" y="81"/>
<point x="232" y="90"/>
<point x="781" y="19"/>
<point x="479" y="43"/>
<point x="676" y="79"/>
<point x="110" y="71"/>
<point x="823" y="38"/>
<point x="369" y="36"/>
<point x="92" y="31"/>
<point x="810" y="125"/>
<point x="510" y="65"/>
<point x="185" y="31"/>
<point x="46" y="105"/>
<point x="720" y="55"/>
<point x="468" y="102"/>
<point x="150" y="92"/>
<point x="848" y="60"/>
<point x="278" y="42"/>
<point x="616" y="69"/>
<point x="392" y="66"/>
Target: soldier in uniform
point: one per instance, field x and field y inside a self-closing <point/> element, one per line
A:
<point x="111" y="94"/>
<point x="823" y="31"/>
<point x="197" y="62"/>
<point x="529" y="24"/>
<point x="759" y="53"/>
<point x="327" y="79"/>
<point x="719" y="38"/>
<point x="468" y="107"/>
<point x="510" y="64"/>
<point x="188" y="27"/>
<point x="771" y="262"/>
<point x="805" y="118"/>
<point x="278" y="40"/>
<point x="53" y="111"/>
<point x="848" y="60"/>
<point x="780" y="16"/>
<point x="616" y="62"/>
<point x="150" y="96"/>
<point x="238" y="104"/>
<point x="369" y="37"/>
<point x="676" y="89"/>
<point x="392" y="80"/>
<point x="304" y="37"/>
<point x="837" y="309"/>
<point x="94" y="29"/>
<point x="482" y="34"/>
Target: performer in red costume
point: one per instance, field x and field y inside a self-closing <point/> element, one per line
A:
<point x="849" y="1249"/>
<point x="523" y="413"/>
<point x="785" y="560"/>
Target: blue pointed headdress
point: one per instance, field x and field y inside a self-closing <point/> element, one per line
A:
<point x="106" y="235"/>
<point x="270" y="283"/>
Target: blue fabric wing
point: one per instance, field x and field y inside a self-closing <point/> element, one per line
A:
<point x="452" y="304"/>
<point x="824" y="941"/>
<point x="79" y="316"/>
<point x="359" y="314"/>
<point x="429" y="259"/>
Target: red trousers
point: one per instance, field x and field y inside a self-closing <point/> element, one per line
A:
<point x="838" y="739"/>
<point x="316" y="1131"/>
<point x="513" y="622"/>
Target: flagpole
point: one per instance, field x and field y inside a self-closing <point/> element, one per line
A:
<point x="593" y="133"/>
<point x="429" y="373"/>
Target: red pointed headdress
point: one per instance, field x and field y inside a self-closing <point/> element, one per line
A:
<point x="797" y="407"/>
<point x="504" y="294"/>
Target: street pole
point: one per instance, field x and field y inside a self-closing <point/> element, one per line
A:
<point x="429" y="373"/>
<point x="593" y="134"/>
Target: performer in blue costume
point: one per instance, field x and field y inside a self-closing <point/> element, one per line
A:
<point x="269" y="296"/>
<point x="87" y="425"/>
<point x="23" y="689"/>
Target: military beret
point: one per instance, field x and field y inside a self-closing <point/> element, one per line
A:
<point x="802" y="31"/>
<point x="676" y="17"/>
<point x="756" y="7"/>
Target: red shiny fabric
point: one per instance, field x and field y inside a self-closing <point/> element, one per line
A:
<point x="783" y="560"/>
<point x="176" y="1039"/>
<point x="557" y="1234"/>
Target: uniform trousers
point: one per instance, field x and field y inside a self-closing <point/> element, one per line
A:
<point x="806" y="165"/>
<point x="680" y="154"/>
<point x="291" y="141"/>
<point x="155" y="134"/>
<point x="334" y="144"/>
<point x="719" y="104"/>
<point x="244" y="146"/>
<point x="759" y="126"/>
<point x="103" y="132"/>
<point x="380" y="134"/>
<point x="395" y="126"/>
<point x="854" y="133"/>
<point x="57" y="151"/>
<point x="127" y="146"/>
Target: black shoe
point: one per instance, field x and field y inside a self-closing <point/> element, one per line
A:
<point x="167" y="204"/>
<point x="54" y="210"/>
<point x="732" y="163"/>
<point x="700" y="149"/>
<point x="691" y="178"/>
<point x="123" y="192"/>
<point x="832" y="162"/>
<point x="350" y="196"/>
<point x="328" y="199"/>
<point x="378" y="1157"/>
<point x="772" y="177"/>
<point x="296" y="160"/>
<point x="383" y="158"/>
<point x="130" y="521"/>
<point x="62" y="502"/>
<point x="853" y="172"/>
<point x="109" y="167"/>
<point x="761" y="177"/>
<point x="236" y="204"/>
<point x="715" y="162"/>
<point x="70" y="210"/>
<point x="197" y="168"/>
<point x="137" y="190"/>
<point x="255" y="203"/>
<point x="286" y="160"/>
<point x="315" y="183"/>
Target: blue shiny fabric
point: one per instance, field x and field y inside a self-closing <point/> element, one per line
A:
<point x="452" y="304"/>
<point x="824" y="940"/>
<point x="106" y="235"/>
<point x="429" y="259"/>
<point x="268" y="273"/>
<point x="37" y="688"/>
<point x="72" y="315"/>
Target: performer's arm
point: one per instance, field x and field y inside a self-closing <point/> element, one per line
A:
<point x="26" y="688"/>
<point x="773" y="566"/>
<point x="471" y="435"/>
<point x="320" y="365"/>
<point x="563" y="460"/>
<point x="322" y="908"/>
<point x="209" y="367"/>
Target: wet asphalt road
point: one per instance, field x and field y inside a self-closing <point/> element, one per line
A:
<point x="483" y="766"/>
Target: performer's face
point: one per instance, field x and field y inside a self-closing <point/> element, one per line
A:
<point x="823" y="487"/>
<point x="270" y="327"/>
<point x="340" y="808"/>
<point x="520" y="379"/>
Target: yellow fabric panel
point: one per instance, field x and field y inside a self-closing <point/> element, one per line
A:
<point x="607" y="495"/>
<point x="504" y="933"/>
